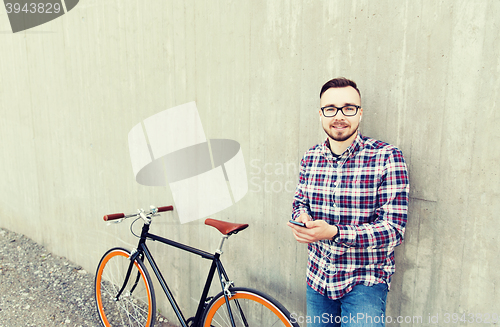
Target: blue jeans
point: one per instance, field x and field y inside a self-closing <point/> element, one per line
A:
<point x="363" y="306"/>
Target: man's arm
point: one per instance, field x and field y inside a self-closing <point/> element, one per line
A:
<point x="300" y="200"/>
<point x="389" y="227"/>
<point x="315" y="230"/>
<point x="301" y="210"/>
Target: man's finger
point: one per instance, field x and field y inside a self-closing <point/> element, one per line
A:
<point x="300" y="237"/>
<point x="304" y="237"/>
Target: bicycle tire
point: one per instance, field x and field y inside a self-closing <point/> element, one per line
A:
<point x="249" y="307"/>
<point x="132" y="309"/>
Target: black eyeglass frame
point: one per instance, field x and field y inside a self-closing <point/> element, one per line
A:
<point x="341" y="109"/>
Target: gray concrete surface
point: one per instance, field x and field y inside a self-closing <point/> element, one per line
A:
<point x="71" y="90"/>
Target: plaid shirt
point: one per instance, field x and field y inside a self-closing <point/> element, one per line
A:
<point x="365" y="193"/>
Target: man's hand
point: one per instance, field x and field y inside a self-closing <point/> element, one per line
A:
<point x="315" y="231"/>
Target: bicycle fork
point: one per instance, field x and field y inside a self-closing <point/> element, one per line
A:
<point x="132" y="258"/>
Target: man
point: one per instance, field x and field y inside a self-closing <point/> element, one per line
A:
<point x="352" y="196"/>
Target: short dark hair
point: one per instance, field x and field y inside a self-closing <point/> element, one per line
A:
<point x="338" y="82"/>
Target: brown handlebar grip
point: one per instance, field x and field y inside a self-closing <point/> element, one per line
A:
<point x="166" y="208"/>
<point x="113" y="216"/>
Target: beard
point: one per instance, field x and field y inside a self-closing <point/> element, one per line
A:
<point x="340" y="136"/>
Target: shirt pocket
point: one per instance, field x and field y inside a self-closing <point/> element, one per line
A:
<point x="359" y="198"/>
<point x="318" y="189"/>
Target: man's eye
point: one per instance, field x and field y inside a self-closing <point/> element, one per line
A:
<point x="350" y="109"/>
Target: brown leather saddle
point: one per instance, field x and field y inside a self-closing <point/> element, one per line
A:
<point x="225" y="227"/>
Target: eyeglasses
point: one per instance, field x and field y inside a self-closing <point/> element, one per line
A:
<point x="348" y="111"/>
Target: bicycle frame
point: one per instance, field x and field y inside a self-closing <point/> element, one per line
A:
<point x="142" y="250"/>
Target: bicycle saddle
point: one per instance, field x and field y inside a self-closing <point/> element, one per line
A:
<point x="224" y="227"/>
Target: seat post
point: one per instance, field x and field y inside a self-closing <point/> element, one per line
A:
<point x="223" y="238"/>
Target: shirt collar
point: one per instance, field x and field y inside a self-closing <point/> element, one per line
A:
<point x="353" y="148"/>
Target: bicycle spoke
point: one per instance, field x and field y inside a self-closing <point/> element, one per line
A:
<point x="224" y="317"/>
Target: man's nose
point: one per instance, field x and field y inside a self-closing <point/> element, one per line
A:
<point x="340" y="114"/>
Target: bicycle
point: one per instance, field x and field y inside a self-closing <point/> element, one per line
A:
<point x="125" y="296"/>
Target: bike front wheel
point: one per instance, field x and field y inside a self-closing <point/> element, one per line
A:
<point x="136" y="305"/>
<point x="249" y="308"/>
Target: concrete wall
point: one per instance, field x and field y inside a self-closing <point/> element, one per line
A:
<point x="71" y="90"/>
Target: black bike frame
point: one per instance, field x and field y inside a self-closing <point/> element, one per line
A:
<point x="216" y="265"/>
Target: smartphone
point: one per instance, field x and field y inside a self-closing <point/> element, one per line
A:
<point x="297" y="223"/>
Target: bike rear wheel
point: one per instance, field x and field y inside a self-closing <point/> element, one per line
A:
<point x="249" y="308"/>
<point x="136" y="305"/>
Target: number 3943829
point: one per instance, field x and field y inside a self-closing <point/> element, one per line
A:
<point x="33" y="8"/>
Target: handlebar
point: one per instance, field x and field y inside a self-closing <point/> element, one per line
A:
<point x="154" y="210"/>
<point x="165" y="208"/>
<point x="113" y="216"/>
